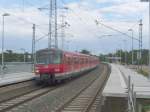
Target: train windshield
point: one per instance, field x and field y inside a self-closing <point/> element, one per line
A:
<point x="48" y="57"/>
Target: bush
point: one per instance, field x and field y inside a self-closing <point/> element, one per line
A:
<point x="140" y="71"/>
<point x="146" y="108"/>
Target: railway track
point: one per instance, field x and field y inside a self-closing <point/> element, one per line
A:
<point x="88" y="98"/>
<point x="15" y="86"/>
<point x="12" y="103"/>
<point x="16" y="90"/>
<point x="16" y="94"/>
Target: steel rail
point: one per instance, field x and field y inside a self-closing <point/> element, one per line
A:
<point x="11" y="87"/>
<point x="84" y="99"/>
<point x="98" y="95"/>
<point x="7" y="105"/>
<point x="16" y="101"/>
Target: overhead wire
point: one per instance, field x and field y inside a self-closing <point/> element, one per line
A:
<point x="85" y="21"/>
<point x="109" y="27"/>
<point x="40" y="38"/>
<point x="114" y="29"/>
<point x="80" y="18"/>
<point x="38" y="26"/>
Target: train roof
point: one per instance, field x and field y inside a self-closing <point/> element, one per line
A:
<point x="66" y="52"/>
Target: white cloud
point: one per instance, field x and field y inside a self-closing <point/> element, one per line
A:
<point x="116" y="1"/>
<point x="127" y="8"/>
<point x="20" y="23"/>
<point x="82" y="21"/>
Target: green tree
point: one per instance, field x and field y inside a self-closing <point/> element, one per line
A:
<point x="84" y="51"/>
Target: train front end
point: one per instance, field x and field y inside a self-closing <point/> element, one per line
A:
<point x="48" y="64"/>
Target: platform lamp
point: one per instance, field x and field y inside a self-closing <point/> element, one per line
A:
<point x="24" y="57"/>
<point x="149" y="32"/>
<point x="3" y="35"/>
<point x="131" y="30"/>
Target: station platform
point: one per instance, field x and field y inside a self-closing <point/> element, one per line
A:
<point x="6" y="79"/>
<point x="117" y="84"/>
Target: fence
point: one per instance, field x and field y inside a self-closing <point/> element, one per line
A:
<point x="16" y="67"/>
<point x="131" y="96"/>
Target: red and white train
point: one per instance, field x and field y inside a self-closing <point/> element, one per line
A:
<point x="55" y="65"/>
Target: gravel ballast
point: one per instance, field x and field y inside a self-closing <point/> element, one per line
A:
<point x="53" y="99"/>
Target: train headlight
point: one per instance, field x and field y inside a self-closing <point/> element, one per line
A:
<point x="37" y="71"/>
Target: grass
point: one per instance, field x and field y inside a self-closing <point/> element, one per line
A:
<point x="143" y="72"/>
<point x="146" y="108"/>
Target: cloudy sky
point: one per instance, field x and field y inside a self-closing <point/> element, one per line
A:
<point x="83" y="32"/>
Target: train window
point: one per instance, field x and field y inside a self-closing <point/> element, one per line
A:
<point x="64" y="59"/>
<point x="86" y="60"/>
<point x="80" y="60"/>
<point x="68" y="60"/>
<point x="56" y="59"/>
<point x="42" y="59"/>
<point x="83" y="60"/>
<point x="73" y="61"/>
<point x="49" y="57"/>
<point x="77" y="61"/>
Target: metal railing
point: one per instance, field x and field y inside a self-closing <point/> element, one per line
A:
<point x="16" y="67"/>
<point x="131" y="96"/>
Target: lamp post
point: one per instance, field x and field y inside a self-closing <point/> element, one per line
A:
<point x="132" y="46"/>
<point x="125" y="52"/>
<point x="149" y="37"/>
<point x="120" y="52"/>
<point x="3" y="35"/>
<point x="149" y="32"/>
<point x="24" y="54"/>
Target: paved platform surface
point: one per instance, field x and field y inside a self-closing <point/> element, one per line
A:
<point x="6" y="79"/>
<point x="117" y="83"/>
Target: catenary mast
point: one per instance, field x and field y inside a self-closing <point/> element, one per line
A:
<point x="53" y="38"/>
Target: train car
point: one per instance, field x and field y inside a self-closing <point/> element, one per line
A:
<point x="55" y="65"/>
